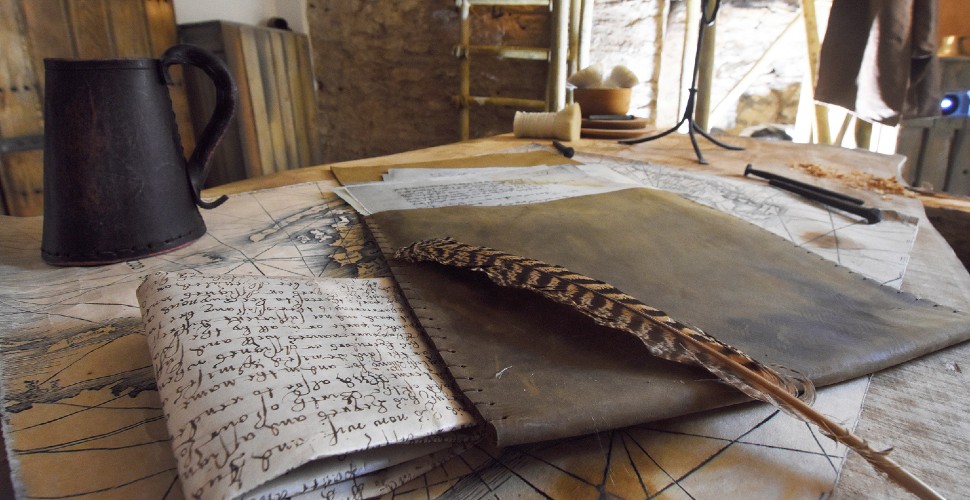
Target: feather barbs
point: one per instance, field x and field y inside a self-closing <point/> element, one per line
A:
<point x="663" y="336"/>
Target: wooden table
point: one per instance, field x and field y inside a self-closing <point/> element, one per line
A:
<point x="920" y="407"/>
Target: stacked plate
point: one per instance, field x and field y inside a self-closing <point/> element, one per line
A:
<point x="614" y="127"/>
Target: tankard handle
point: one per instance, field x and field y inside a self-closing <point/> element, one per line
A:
<point x="227" y="96"/>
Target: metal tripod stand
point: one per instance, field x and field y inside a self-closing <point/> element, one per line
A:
<point x="707" y="19"/>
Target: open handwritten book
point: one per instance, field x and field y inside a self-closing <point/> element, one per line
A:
<point x="276" y="387"/>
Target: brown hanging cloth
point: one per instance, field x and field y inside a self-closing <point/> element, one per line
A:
<point x="878" y="59"/>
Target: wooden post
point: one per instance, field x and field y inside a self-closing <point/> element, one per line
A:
<point x="464" y="69"/>
<point x="691" y="25"/>
<point x="705" y="72"/>
<point x="580" y="32"/>
<point x="863" y="134"/>
<point x="575" y="34"/>
<point x="585" y="33"/>
<point x="558" y="54"/>
<point x="822" y="132"/>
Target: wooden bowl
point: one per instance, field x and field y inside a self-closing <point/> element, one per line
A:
<point x="601" y="101"/>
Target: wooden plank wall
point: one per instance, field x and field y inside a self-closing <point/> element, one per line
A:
<point x="938" y="153"/>
<point x="279" y="80"/>
<point x="276" y="118"/>
<point x="20" y="116"/>
<point x="31" y="30"/>
<point x="953" y="18"/>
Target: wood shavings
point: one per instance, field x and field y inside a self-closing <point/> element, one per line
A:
<point x="861" y="180"/>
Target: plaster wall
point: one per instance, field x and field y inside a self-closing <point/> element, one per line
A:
<point x="744" y="32"/>
<point x="254" y="12"/>
<point x="385" y="75"/>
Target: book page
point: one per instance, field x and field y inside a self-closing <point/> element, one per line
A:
<point x="260" y="376"/>
<point x="481" y="188"/>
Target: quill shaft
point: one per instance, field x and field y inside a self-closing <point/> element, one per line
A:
<point x="663" y="336"/>
<point x="878" y="459"/>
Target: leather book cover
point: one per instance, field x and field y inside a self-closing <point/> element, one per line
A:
<point x="536" y="370"/>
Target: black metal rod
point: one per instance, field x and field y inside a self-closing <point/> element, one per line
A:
<point x="872" y="215"/>
<point x="768" y="175"/>
<point x="566" y="151"/>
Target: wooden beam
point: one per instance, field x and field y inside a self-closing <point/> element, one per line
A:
<point x="692" y="11"/>
<point x="558" y="56"/>
<point x="705" y="71"/>
<point x="464" y="68"/>
<point x="21" y="171"/>
<point x="822" y="132"/>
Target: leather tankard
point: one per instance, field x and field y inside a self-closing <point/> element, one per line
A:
<point x="117" y="185"/>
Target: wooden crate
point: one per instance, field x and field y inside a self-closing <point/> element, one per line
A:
<point x="938" y="153"/>
<point x="275" y="126"/>
<point x="31" y="30"/>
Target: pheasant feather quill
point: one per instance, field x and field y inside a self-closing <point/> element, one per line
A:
<point x="663" y="336"/>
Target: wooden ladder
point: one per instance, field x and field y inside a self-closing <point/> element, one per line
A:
<point x="567" y="52"/>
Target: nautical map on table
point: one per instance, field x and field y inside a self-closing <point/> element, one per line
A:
<point x="879" y="251"/>
<point x="80" y="407"/>
<point x="81" y="415"/>
<point x="749" y="451"/>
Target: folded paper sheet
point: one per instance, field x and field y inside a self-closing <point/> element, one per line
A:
<point x="538" y="371"/>
<point x="280" y="386"/>
<point x="368" y="173"/>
